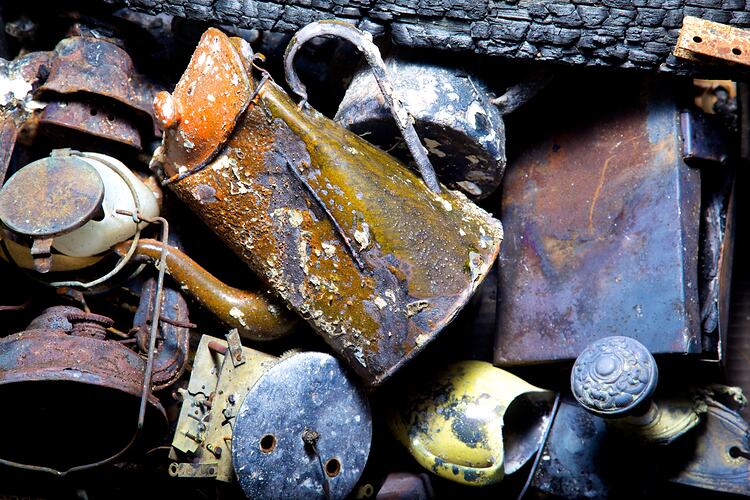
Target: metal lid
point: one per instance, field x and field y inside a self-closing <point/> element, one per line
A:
<point x="304" y="428"/>
<point x="51" y="196"/>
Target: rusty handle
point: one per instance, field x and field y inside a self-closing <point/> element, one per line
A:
<point x="363" y="42"/>
<point x="256" y="315"/>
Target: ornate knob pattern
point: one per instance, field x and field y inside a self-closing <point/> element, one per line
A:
<point x="613" y="375"/>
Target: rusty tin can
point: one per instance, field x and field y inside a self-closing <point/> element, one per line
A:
<point x="344" y="233"/>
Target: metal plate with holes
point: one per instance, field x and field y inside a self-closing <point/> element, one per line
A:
<point x="701" y="39"/>
<point x="51" y="196"/>
<point x="205" y="431"/>
<point x="306" y="392"/>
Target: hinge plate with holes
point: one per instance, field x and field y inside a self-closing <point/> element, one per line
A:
<point x="193" y="470"/>
<point x="700" y="39"/>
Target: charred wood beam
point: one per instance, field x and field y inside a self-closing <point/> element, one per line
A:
<point x="629" y="34"/>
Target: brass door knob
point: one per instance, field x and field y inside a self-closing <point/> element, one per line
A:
<point x="614" y="376"/>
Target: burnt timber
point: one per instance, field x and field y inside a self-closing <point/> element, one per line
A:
<point x="627" y="34"/>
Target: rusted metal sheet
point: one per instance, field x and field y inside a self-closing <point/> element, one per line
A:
<point x="700" y="39"/>
<point x="719" y="458"/>
<point x="82" y="64"/>
<point x="172" y="355"/>
<point x="77" y="395"/>
<point x="346" y="235"/>
<point x="602" y="217"/>
<point x="91" y="118"/>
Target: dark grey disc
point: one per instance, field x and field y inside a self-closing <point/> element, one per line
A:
<point x="306" y="392"/>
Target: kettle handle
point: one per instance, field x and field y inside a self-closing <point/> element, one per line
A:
<point x="363" y="41"/>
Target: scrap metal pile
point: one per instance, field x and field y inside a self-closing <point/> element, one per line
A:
<point x="219" y="286"/>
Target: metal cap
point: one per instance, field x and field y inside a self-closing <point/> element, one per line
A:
<point x="612" y="376"/>
<point x="303" y="431"/>
<point x="51" y="196"/>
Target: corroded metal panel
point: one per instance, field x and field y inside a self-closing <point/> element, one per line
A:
<point x="602" y="221"/>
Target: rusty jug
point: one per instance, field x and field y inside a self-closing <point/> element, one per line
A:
<point x="345" y="234"/>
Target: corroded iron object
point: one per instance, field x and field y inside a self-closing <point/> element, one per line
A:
<point x="303" y="431"/>
<point x="462" y="130"/>
<point x="172" y="355"/>
<point x="51" y="196"/>
<point x="614" y="375"/>
<point x="91" y="118"/>
<point x="600" y="211"/>
<point x="346" y="235"/>
<point x="99" y="67"/>
<point x="77" y="394"/>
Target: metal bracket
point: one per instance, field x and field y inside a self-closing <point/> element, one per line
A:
<point x="235" y="348"/>
<point x="702" y="138"/>
<point x="700" y="39"/>
<point x="193" y="470"/>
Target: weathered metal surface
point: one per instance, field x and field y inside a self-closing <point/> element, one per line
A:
<point x="703" y="137"/>
<point x="403" y="485"/>
<point x="208" y="100"/>
<point x="614" y="376"/>
<point x="700" y="38"/>
<point x="51" y="196"/>
<point x="343" y="233"/>
<point x="464" y="133"/>
<point x="210" y="406"/>
<point x="8" y="134"/>
<point x="73" y="390"/>
<point x="303" y="431"/>
<point x="172" y="355"/>
<point x="576" y="450"/>
<point x="83" y="64"/>
<point x="92" y="119"/>
<point x="452" y="422"/>
<point x="602" y="217"/>
<point x="257" y="315"/>
<point x="718" y="457"/>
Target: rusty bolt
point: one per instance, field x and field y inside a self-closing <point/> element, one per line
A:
<point x="167" y="110"/>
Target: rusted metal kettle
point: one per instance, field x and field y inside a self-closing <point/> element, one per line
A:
<point x="344" y="233"/>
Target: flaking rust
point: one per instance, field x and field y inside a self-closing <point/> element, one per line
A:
<point x="345" y="234"/>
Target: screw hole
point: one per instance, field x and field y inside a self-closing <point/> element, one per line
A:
<point x="735" y="452"/>
<point x="267" y="443"/>
<point x="736" y="51"/>
<point x="173" y="470"/>
<point x="333" y="467"/>
<point x="212" y="471"/>
<point x="110" y="117"/>
<point x="93" y="112"/>
<point x="697" y="39"/>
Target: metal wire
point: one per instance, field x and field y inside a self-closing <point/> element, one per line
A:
<point x="125" y="258"/>
<point x="147" y="375"/>
<point x="542" y="444"/>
